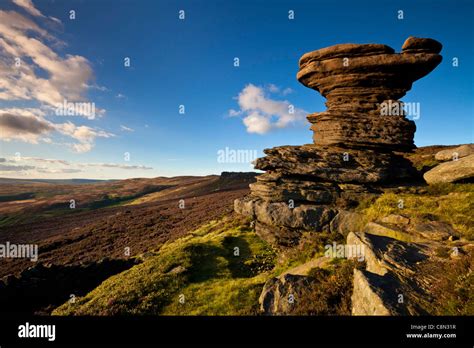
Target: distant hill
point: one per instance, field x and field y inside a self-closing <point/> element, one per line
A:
<point x="52" y="181"/>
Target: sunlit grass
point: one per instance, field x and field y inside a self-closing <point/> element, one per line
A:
<point x="219" y="269"/>
<point x="451" y="203"/>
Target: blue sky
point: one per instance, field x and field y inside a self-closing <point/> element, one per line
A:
<point x="190" y="62"/>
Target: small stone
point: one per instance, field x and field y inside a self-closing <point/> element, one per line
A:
<point x="177" y="270"/>
<point x="396" y="219"/>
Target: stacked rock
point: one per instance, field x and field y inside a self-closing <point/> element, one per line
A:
<point x="357" y="140"/>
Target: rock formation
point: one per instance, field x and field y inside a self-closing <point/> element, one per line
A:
<point x="356" y="143"/>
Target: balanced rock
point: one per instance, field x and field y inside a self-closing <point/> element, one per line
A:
<point x="356" y="142"/>
<point x="415" y="44"/>
<point x="361" y="83"/>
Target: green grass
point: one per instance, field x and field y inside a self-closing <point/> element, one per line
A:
<point x="451" y="203"/>
<point x="219" y="297"/>
<point x="218" y="269"/>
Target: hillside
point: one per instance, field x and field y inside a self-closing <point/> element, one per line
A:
<point x="204" y="259"/>
<point x="108" y="223"/>
<point x="201" y="274"/>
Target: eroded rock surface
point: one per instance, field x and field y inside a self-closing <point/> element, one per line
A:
<point x="358" y="81"/>
<point x="356" y="143"/>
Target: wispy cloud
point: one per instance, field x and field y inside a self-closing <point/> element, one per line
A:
<point x="272" y="88"/>
<point x="11" y="168"/>
<point x="262" y="113"/>
<point x="97" y="87"/>
<point x="115" y="165"/>
<point x="30" y="8"/>
<point x="126" y="129"/>
<point x="59" y="170"/>
<point x="36" y="166"/>
<point x="83" y="134"/>
<point x="47" y="160"/>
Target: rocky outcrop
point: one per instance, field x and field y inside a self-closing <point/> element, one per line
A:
<point x="386" y="286"/>
<point x="399" y="255"/>
<point x="366" y="297"/>
<point x="452" y="171"/>
<point x="356" y="142"/>
<point x="335" y="164"/>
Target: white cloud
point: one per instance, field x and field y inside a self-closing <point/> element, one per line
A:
<point x="43" y="77"/>
<point x="120" y="96"/>
<point x="84" y="134"/>
<point x="263" y="114"/>
<point x="29" y="125"/>
<point x="67" y="76"/>
<point x="257" y="123"/>
<point x="126" y="129"/>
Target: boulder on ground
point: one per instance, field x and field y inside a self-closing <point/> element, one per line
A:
<point x="452" y="171"/>
<point x="457" y="152"/>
